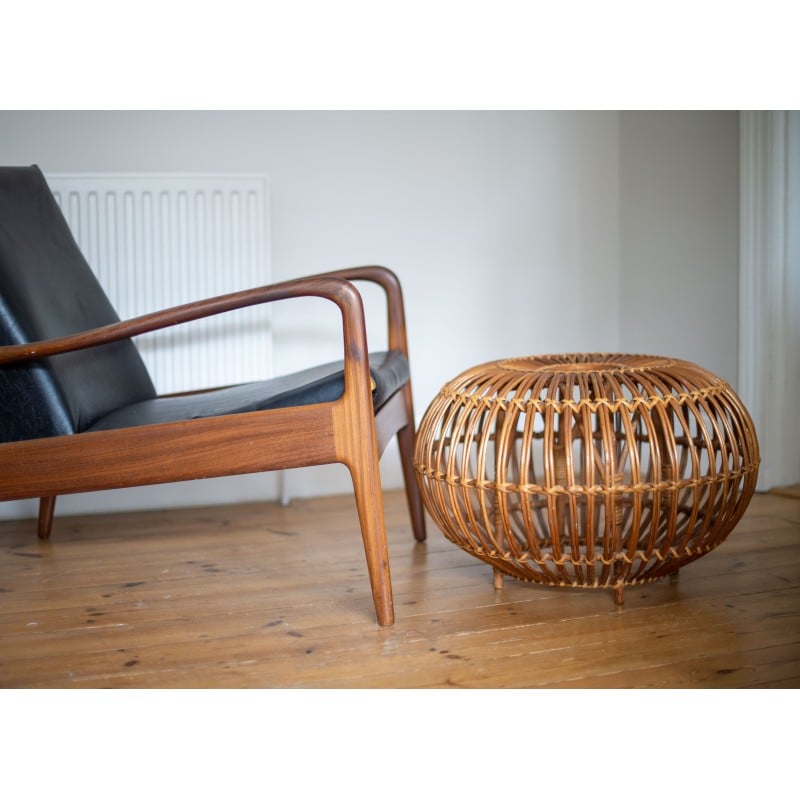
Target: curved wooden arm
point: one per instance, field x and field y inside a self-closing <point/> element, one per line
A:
<point x="331" y="287"/>
<point x="390" y="284"/>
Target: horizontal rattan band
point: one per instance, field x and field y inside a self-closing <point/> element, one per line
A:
<point x="603" y="362"/>
<point x="595" y="491"/>
<point x="584" y="561"/>
<point x="529" y="405"/>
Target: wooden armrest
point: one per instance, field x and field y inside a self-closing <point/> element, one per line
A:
<point x="330" y="287"/>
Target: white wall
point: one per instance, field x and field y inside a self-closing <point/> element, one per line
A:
<point x="512" y="232"/>
<point x="679" y="201"/>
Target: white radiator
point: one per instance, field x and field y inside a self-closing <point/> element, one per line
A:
<point x="158" y="240"/>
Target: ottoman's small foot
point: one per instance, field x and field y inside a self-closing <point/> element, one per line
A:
<point x="498" y="579"/>
<point x="673" y="576"/>
<point x="619" y="594"/>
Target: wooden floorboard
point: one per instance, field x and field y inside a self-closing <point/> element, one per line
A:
<point x="263" y="596"/>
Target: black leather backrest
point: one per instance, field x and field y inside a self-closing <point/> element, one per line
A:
<point x="48" y="290"/>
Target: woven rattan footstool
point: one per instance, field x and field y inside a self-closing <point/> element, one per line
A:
<point x="588" y="470"/>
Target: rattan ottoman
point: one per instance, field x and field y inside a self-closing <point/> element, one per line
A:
<point x="587" y="470"/>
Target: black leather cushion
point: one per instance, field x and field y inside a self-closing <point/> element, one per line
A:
<point x="317" y="385"/>
<point x="31" y="405"/>
<point x="47" y="290"/>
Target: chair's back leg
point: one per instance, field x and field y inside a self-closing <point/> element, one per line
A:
<point x="47" y="506"/>
<point x="405" y="441"/>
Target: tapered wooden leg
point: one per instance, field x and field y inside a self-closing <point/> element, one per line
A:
<point x="674" y="576"/>
<point x="405" y="440"/>
<point x="619" y="594"/>
<point x="369" y="501"/>
<point x="359" y="445"/>
<point x="47" y="506"/>
<point x="498" y="579"/>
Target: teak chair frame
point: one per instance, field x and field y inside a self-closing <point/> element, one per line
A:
<point x="346" y="431"/>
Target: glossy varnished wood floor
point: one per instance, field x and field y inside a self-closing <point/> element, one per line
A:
<point x="262" y="596"/>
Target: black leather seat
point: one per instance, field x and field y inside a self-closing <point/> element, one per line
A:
<point x="322" y="384"/>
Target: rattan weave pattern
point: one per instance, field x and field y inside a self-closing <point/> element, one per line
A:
<point x="592" y="469"/>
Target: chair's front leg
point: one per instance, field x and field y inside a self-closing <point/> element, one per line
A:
<point x="357" y="448"/>
<point x="365" y="473"/>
